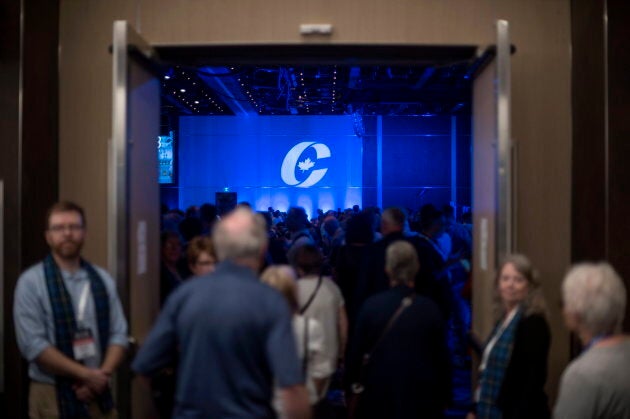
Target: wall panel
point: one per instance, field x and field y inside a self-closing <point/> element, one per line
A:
<point x="28" y="164"/>
<point x="619" y="149"/>
<point x="601" y="175"/>
<point x="85" y="101"/>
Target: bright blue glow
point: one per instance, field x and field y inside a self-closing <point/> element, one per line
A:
<point x="326" y="201"/>
<point x="352" y="195"/>
<point x="280" y="201"/>
<point x="165" y="158"/>
<point x="246" y="156"/>
<point x="253" y="156"/>
<point x="306" y="202"/>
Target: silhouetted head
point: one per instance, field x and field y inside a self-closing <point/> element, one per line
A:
<point x="296" y="219"/>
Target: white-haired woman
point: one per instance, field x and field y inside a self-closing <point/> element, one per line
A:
<point x="597" y="383"/>
<point x="513" y="369"/>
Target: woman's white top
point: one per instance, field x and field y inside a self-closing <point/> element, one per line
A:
<point x="325" y="309"/>
<point x="318" y="365"/>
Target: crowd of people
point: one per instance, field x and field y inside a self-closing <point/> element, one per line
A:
<point x="354" y="313"/>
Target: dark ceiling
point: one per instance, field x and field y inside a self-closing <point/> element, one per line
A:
<point x="437" y="84"/>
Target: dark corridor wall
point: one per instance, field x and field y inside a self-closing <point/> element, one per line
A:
<point x="601" y="134"/>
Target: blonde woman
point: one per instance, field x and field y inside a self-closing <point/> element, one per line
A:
<point x="513" y="369"/>
<point x="309" y="334"/>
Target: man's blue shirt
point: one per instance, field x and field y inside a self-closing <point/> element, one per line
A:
<point x="34" y="320"/>
<point x="233" y="339"/>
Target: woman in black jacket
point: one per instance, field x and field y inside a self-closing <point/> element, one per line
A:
<point x="513" y="369"/>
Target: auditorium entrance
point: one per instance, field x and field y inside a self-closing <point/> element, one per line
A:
<point x="236" y="97"/>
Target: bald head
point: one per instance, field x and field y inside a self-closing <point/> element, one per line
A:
<point x="240" y="236"/>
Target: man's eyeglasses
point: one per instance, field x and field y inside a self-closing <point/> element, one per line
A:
<point x="73" y="228"/>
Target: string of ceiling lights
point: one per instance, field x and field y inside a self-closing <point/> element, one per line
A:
<point x="219" y="90"/>
<point x="197" y="98"/>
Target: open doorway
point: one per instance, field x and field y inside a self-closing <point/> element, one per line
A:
<point x="396" y="131"/>
<point x="282" y="86"/>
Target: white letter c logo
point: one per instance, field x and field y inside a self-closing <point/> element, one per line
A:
<point x="291" y="161"/>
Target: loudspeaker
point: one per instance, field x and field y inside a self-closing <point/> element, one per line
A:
<point x="225" y="202"/>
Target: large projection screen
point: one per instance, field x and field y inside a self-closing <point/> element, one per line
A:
<point x="314" y="162"/>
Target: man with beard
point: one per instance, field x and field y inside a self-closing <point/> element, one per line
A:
<point x="69" y="325"/>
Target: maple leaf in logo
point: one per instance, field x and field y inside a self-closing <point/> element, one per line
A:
<point x="306" y="164"/>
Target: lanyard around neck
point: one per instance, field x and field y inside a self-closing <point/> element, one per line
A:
<point x="83" y="302"/>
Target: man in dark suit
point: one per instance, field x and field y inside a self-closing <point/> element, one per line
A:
<point x="432" y="279"/>
<point x="407" y="373"/>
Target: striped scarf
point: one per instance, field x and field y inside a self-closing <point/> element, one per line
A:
<point x="492" y="376"/>
<point x="65" y="326"/>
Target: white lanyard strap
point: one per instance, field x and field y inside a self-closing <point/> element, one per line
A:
<point x="83" y="302"/>
<point x="495" y="338"/>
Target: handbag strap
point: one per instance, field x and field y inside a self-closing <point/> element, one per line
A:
<point x="357" y="387"/>
<point x="404" y="303"/>
<point x="305" y="357"/>
<point x="312" y="297"/>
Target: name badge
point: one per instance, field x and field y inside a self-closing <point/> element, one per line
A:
<point x="83" y="344"/>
